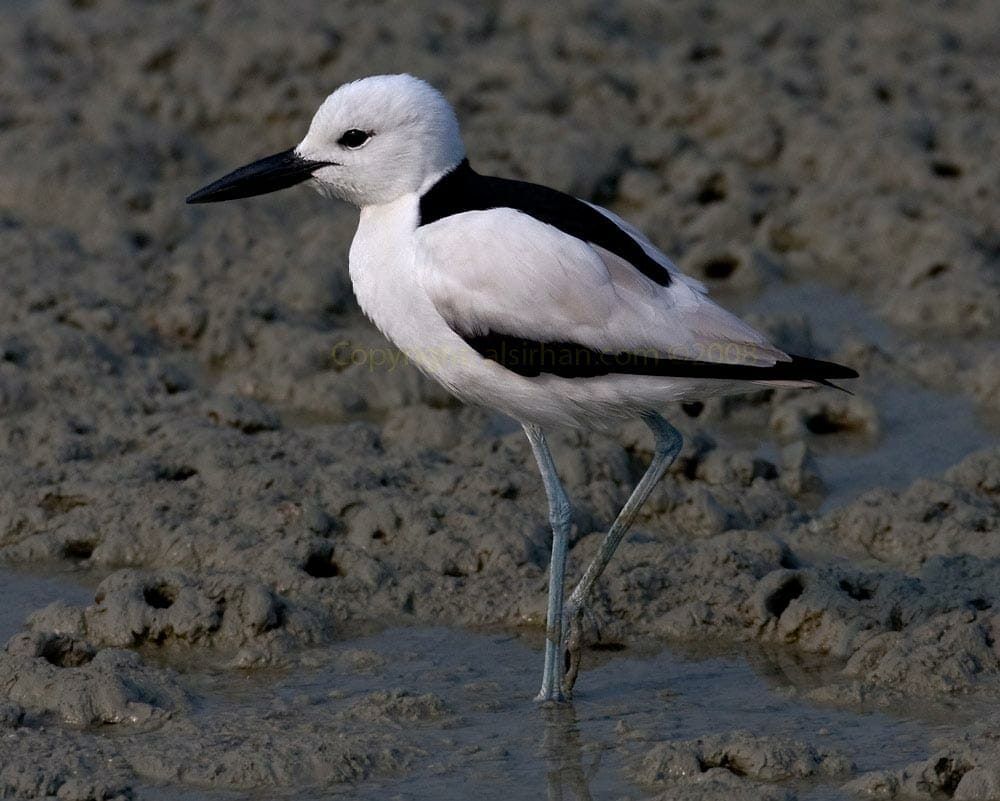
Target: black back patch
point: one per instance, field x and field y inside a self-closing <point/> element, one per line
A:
<point x="463" y="190"/>
<point x="531" y="358"/>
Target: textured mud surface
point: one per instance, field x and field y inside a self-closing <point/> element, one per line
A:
<point x="246" y="549"/>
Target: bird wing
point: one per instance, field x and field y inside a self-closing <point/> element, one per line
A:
<point x="502" y="272"/>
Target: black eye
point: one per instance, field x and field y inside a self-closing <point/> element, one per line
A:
<point x="354" y="138"/>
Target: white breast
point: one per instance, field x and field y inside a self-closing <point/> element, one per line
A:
<point x="386" y="277"/>
<point x="381" y="263"/>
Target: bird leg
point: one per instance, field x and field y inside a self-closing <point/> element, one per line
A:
<point x="559" y="517"/>
<point x="667" y="445"/>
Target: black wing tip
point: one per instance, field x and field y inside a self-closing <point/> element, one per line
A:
<point x="531" y="358"/>
<point x="809" y="369"/>
<point x="837" y="387"/>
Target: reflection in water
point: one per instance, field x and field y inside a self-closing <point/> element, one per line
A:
<point x="565" y="776"/>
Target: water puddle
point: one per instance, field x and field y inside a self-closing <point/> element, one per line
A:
<point x="497" y="744"/>
<point x="493" y="742"/>
<point x="923" y="432"/>
<point x="22" y="593"/>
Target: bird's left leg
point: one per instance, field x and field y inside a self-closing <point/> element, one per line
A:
<point x="559" y="517"/>
<point x="667" y="445"/>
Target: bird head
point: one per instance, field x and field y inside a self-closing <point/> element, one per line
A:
<point x="372" y="141"/>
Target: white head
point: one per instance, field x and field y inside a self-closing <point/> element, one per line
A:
<point x="412" y="135"/>
<point x="371" y="142"/>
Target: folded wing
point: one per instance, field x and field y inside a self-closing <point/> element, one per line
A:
<point x="513" y="286"/>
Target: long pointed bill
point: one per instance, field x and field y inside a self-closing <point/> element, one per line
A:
<point x="267" y="175"/>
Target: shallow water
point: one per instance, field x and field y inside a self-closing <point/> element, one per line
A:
<point x="497" y="744"/>
<point x="24" y="592"/>
<point x="922" y="432"/>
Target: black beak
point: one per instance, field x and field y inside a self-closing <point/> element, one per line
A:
<point x="267" y="175"/>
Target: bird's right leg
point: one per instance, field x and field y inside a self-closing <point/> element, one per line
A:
<point x="559" y="517"/>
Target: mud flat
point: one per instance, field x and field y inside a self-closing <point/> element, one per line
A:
<point x="233" y="564"/>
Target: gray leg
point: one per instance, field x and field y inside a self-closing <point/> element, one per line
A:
<point x="559" y="517"/>
<point x="667" y="445"/>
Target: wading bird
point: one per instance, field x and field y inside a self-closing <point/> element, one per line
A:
<point x="518" y="297"/>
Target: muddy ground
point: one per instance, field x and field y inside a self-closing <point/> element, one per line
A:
<point x="234" y="565"/>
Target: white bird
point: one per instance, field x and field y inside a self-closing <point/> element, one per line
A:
<point x="518" y="297"/>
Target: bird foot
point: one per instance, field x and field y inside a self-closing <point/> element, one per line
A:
<point x="572" y="646"/>
<point x="555" y="697"/>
